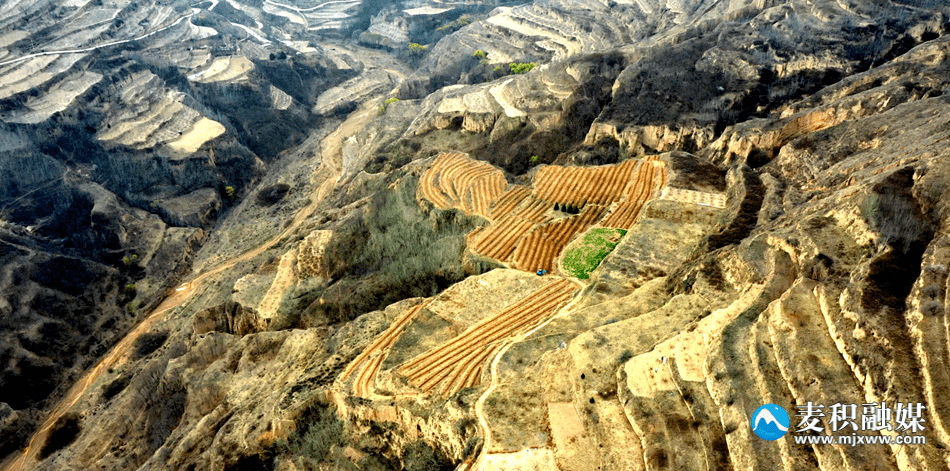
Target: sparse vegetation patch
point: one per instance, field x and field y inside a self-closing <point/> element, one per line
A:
<point x="454" y="25"/>
<point x="114" y="387"/>
<point x="148" y="343"/>
<point x="64" y="432"/>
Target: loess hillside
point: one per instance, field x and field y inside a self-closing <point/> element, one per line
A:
<point x="488" y="235"/>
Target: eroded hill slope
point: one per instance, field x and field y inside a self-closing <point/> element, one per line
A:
<point x="777" y="222"/>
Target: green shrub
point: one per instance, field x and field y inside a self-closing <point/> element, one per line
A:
<point x="479" y="54"/>
<point x="229" y="192"/>
<point x="534" y="159"/>
<point x="521" y="67"/>
<point x="382" y="109"/>
<point x="582" y="259"/>
<point x="454" y="25"/>
<point x="417" y="49"/>
<point x="869" y="208"/>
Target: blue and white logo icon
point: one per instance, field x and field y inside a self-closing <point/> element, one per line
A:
<point x="770" y="422"/>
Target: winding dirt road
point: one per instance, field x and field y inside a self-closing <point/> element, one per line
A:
<point x="194" y="11"/>
<point x="480" y="404"/>
<point x="330" y="168"/>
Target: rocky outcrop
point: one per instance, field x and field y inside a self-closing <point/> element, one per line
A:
<point x="688" y="74"/>
<point x="311" y="259"/>
<point x="229" y="318"/>
<point x="196" y="209"/>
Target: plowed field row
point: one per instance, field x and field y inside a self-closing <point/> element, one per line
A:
<point x="541" y="246"/>
<point x="482" y="192"/>
<point x="434" y="373"/>
<point x="716" y="200"/>
<point x="534" y="210"/>
<point x="380" y="346"/>
<point x="664" y="175"/>
<point x="535" y="252"/>
<point x="460" y="356"/>
<point x="579" y="186"/>
<point x="457" y="180"/>
<point x="429" y="190"/>
<point x="498" y="240"/>
<point x="362" y="385"/>
<point x="432" y="367"/>
<point x="561" y="232"/>
<point x="650" y="176"/>
<point x="466" y="373"/>
<point x="518" y="232"/>
<point x="508" y="201"/>
<point x="434" y="179"/>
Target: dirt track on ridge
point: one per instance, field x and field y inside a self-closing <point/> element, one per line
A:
<point x="331" y="166"/>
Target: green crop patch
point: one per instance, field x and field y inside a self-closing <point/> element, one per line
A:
<point x="581" y="259"/>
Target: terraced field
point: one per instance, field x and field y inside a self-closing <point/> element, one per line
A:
<point x="498" y="241"/>
<point x="524" y="231"/>
<point x="508" y="201"/>
<point x="325" y="16"/>
<point x="34" y="72"/>
<point x="519" y="213"/>
<point x="456" y="181"/>
<point x="649" y="176"/>
<point x="578" y="186"/>
<point x="716" y="200"/>
<point x="541" y="246"/>
<point x="526" y="235"/>
<point x="151" y="118"/>
<point x="224" y="69"/>
<point x="366" y="365"/>
<point x="57" y="99"/>
<point x="279" y="99"/>
<point x="457" y="363"/>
